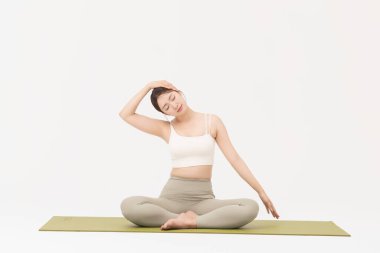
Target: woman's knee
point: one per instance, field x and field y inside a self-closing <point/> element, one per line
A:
<point x="252" y="207"/>
<point x="129" y="203"/>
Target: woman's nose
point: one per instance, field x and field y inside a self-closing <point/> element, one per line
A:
<point x="175" y="106"/>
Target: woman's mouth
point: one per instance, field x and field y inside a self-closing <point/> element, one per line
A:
<point x="180" y="108"/>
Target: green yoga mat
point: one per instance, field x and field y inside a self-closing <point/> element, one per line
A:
<point x="263" y="227"/>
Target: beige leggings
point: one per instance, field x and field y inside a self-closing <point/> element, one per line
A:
<point x="182" y="194"/>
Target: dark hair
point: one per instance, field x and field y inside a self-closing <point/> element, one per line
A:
<point x="156" y="92"/>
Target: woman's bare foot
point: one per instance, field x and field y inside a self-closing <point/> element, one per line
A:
<point x="184" y="220"/>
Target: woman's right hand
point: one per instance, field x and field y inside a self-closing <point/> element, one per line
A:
<point x="161" y="83"/>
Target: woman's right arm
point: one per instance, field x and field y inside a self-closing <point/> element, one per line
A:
<point x="144" y="123"/>
<point x="130" y="108"/>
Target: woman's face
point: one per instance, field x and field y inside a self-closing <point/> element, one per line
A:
<point x="170" y="103"/>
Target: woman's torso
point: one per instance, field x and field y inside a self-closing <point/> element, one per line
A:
<point x="193" y="128"/>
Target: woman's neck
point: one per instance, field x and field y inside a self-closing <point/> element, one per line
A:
<point x="187" y="116"/>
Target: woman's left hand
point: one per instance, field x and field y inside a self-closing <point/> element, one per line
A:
<point x="268" y="204"/>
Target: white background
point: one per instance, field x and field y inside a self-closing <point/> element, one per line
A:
<point x="296" y="84"/>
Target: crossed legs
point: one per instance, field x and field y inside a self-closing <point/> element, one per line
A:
<point x="208" y="213"/>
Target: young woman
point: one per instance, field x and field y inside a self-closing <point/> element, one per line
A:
<point x="187" y="199"/>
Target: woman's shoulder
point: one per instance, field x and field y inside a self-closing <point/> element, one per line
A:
<point x="214" y="117"/>
<point x="215" y="121"/>
<point x="208" y="113"/>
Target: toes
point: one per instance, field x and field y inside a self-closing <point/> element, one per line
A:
<point x="164" y="226"/>
<point x="167" y="224"/>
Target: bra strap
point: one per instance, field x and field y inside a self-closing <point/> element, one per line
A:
<point x="205" y="122"/>
<point x="209" y="123"/>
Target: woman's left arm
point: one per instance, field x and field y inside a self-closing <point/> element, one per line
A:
<point x="239" y="165"/>
<point x="245" y="173"/>
<point x="233" y="157"/>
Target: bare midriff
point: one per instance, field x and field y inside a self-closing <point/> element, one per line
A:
<point x="193" y="172"/>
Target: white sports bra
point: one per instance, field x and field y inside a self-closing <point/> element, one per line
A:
<point x="192" y="150"/>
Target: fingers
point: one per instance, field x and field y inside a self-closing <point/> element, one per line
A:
<point x="163" y="83"/>
<point x="270" y="207"/>
<point x="273" y="210"/>
<point x="274" y="213"/>
<point x="171" y="86"/>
